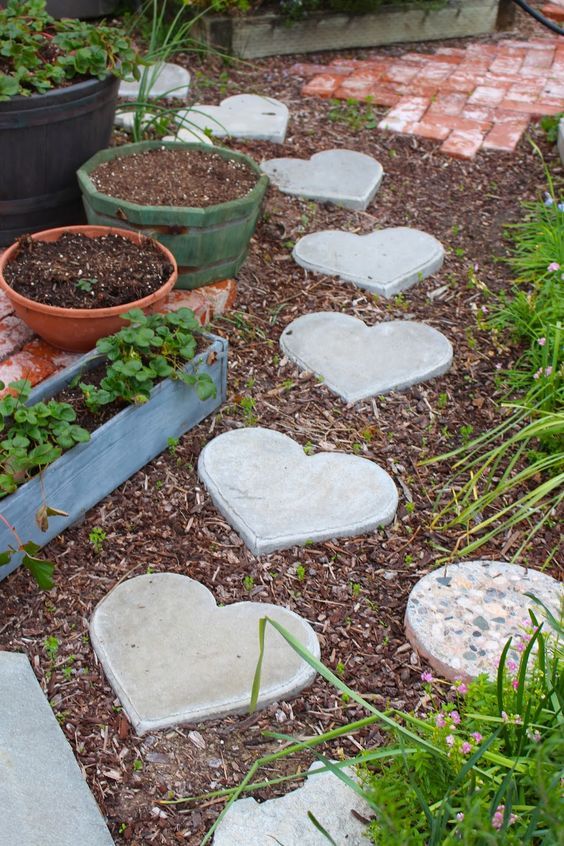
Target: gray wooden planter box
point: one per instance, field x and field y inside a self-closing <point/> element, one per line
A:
<point x="84" y="475"/>
<point x="270" y="34"/>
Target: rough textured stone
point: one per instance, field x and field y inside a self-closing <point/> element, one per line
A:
<point x="164" y="80"/>
<point x="385" y="262"/>
<point x="276" y="497"/>
<point x="44" y="800"/>
<point x="172" y="656"/>
<point x="343" y="177"/>
<point x="461" y="616"/>
<point x="285" y="820"/>
<point x="358" y="361"/>
<point x="242" y="116"/>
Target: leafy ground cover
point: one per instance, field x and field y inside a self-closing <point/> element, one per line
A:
<point x="354" y="591"/>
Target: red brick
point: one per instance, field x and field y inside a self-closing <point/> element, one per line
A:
<point x="463" y="144"/>
<point x="207" y="302"/>
<point x="463" y="82"/>
<point x="482" y="114"/>
<point x="428" y="128"/>
<point x="58" y="358"/>
<point x="485" y="95"/>
<point x="384" y="95"/>
<point x="460" y="123"/>
<point x="356" y="88"/>
<point x="451" y="51"/>
<point x="541" y="107"/>
<point x="400" y="72"/>
<point x="342" y="65"/>
<point x="420" y="87"/>
<point x="505" y="136"/>
<point x="435" y="72"/>
<point x="525" y="92"/>
<point x="323" y="85"/>
<point x="538" y="59"/>
<point x="13" y="334"/>
<point x="409" y="109"/>
<point x="306" y="69"/>
<point x="5" y="305"/>
<point x="554" y="88"/>
<point x="25" y="365"/>
<point x="555" y="13"/>
<point x="506" y="64"/>
<point x="397" y="125"/>
<point x="449" y="103"/>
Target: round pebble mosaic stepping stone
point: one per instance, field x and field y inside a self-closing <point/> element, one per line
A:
<point x="285" y="819"/>
<point x="172" y="656"/>
<point x="357" y="361"/>
<point x="242" y="116"/>
<point x="343" y="177"/>
<point x="276" y="497"/>
<point x="461" y="616"/>
<point x="164" y="80"/>
<point x="385" y="262"/>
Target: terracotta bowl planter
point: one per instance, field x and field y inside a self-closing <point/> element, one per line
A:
<point x="77" y="329"/>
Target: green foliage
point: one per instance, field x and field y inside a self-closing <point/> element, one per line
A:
<point x="35" y="435"/>
<point x="97" y="536"/>
<point x="354" y="115"/>
<point x="151" y="348"/>
<point x="550" y="125"/>
<point x="38" y="53"/>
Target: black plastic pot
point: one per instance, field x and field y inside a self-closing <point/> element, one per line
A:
<point x="43" y="140"/>
<point x="81" y="8"/>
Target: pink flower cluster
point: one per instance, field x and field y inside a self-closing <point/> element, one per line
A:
<point x="497" y="819"/>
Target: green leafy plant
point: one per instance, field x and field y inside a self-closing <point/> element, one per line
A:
<point x="353" y="114"/>
<point x="151" y="348"/>
<point x="39" y="53"/>
<point x="97" y="536"/>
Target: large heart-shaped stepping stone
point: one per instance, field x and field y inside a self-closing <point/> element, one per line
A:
<point x="164" y="79"/>
<point x="242" y="116"/>
<point x="384" y="262"/>
<point x="343" y="177"/>
<point x="461" y="616"/>
<point x="285" y="819"/>
<point x="358" y="361"/>
<point x="275" y="496"/>
<point x="172" y="656"/>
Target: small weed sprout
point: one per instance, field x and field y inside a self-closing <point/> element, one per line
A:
<point x="97" y="536"/>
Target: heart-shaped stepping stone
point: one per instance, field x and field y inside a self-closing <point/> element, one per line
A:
<point x="343" y="177"/>
<point x="275" y="496"/>
<point x="172" y="656"/>
<point x="358" y="361"/>
<point x="242" y="116"/>
<point x="461" y="616"/>
<point x="163" y="79"/>
<point x="384" y="262"/>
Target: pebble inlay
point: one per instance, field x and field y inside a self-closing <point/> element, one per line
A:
<point x="461" y="616"/>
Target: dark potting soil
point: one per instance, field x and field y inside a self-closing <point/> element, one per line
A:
<point x="81" y="272"/>
<point x="167" y="177"/>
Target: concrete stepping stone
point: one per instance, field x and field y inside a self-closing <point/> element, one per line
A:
<point x="385" y="262"/>
<point x="172" y="656"/>
<point x="276" y="497"/>
<point x="285" y="819"/>
<point x="165" y="80"/>
<point x="44" y="800"/>
<point x="461" y="616"/>
<point x="343" y="177"/>
<point x="357" y="361"/>
<point x="242" y="116"/>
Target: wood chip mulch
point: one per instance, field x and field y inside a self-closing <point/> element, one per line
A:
<point x="354" y="591"/>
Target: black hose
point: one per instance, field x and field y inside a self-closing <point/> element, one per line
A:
<point x="540" y="18"/>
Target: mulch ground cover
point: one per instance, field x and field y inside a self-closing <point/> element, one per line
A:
<point x="353" y="591"/>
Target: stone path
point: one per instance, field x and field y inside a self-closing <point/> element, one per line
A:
<point x="163" y="80"/>
<point x="357" y="361"/>
<point x="478" y="97"/>
<point x="242" y="116"/>
<point x="343" y="177"/>
<point x="44" y="800"/>
<point x="384" y="262"/>
<point x="24" y="356"/>
<point x="460" y="617"/>
<point x="276" y="497"/>
<point x="285" y="820"/>
<point x="172" y="656"/>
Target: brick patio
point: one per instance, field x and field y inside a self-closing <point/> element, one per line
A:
<point x="479" y="97"/>
<point x="24" y="356"/>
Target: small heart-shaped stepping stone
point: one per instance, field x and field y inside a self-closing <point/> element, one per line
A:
<point x="358" y="361"/>
<point x="343" y="177"/>
<point x="242" y="116"/>
<point x="172" y="656"/>
<point x="275" y="496"/>
<point x="164" y="79"/>
<point x="384" y="262"/>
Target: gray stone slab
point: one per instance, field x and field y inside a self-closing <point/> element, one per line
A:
<point x="172" y="656"/>
<point x="461" y="616"/>
<point x="561" y="140"/>
<point x="242" y="116"/>
<point x="358" y="361"/>
<point x="164" y="79"/>
<point x="285" y="819"/>
<point x="343" y="177"/>
<point x="385" y="262"/>
<point x="276" y="497"/>
<point x="44" y="800"/>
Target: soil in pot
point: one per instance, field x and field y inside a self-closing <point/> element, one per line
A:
<point x="165" y="177"/>
<point x="87" y="273"/>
